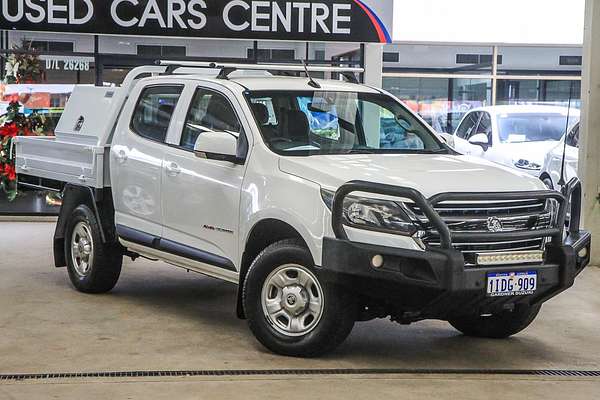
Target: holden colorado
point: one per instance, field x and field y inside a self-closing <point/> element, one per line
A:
<point x="326" y="202"/>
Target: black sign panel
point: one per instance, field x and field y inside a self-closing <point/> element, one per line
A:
<point x="326" y="20"/>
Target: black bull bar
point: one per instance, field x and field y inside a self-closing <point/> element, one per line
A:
<point x="569" y="204"/>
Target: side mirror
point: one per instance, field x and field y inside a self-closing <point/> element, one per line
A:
<point x="480" y="139"/>
<point x="220" y="146"/>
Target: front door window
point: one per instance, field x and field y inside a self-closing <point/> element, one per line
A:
<point x="209" y="111"/>
<point x="467" y="126"/>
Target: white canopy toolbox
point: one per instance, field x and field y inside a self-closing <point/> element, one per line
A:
<point x="78" y="153"/>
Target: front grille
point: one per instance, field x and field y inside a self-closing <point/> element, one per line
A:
<point x="483" y="217"/>
<point x="490" y="208"/>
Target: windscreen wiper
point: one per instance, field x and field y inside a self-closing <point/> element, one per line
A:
<point x="360" y="151"/>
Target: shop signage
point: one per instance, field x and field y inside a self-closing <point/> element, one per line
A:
<point x="326" y="20"/>
<point x="67" y="64"/>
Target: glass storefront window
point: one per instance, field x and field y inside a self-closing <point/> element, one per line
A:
<point x="550" y="92"/>
<point x="442" y="102"/>
<point x="442" y="82"/>
<point x="67" y="69"/>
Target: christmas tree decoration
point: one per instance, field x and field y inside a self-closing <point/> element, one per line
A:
<point x="23" y="67"/>
<point x="15" y="123"/>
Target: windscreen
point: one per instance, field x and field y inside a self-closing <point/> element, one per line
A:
<point x="324" y="122"/>
<point x="534" y="127"/>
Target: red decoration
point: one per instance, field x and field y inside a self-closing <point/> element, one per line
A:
<point x="9" y="172"/>
<point x="9" y="130"/>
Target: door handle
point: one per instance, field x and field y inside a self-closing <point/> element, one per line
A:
<point x="121" y="156"/>
<point x="173" y="169"/>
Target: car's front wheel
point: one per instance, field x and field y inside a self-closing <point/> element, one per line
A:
<point x="289" y="309"/>
<point x="497" y="326"/>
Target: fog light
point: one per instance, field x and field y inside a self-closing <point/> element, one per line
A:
<point x="583" y="253"/>
<point x="377" y="261"/>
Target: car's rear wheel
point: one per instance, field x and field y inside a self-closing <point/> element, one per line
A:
<point x="497" y="326"/>
<point x="94" y="266"/>
<point x="289" y="309"/>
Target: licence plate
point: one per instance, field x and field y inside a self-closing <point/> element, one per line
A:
<point x="511" y="283"/>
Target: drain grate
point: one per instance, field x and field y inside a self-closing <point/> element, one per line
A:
<point x="299" y="372"/>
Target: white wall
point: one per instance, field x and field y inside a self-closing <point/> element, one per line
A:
<point x="513" y="58"/>
<point x="553" y="22"/>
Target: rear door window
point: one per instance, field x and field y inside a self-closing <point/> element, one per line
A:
<point x="154" y="111"/>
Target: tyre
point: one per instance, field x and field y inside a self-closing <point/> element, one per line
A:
<point x="289" y="309"/>
<point x="94" y="266"/>
<point x="497" y="326"/>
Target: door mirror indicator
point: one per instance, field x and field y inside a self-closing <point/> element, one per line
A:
<point x="480" y="139"/>
<point x="220" y="146"/>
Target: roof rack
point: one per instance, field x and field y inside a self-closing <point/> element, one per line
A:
<point x="227" y="68"/>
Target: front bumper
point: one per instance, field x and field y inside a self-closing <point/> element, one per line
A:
<point x="436" y="283"/>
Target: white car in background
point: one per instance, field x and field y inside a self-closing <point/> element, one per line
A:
<point x="551" y="170"/>
<point x="517" y="136"/>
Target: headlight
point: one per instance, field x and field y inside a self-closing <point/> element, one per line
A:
<point x="377" y="215"/>
<point x="526" y="164"/>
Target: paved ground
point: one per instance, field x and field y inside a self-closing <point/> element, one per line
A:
<point x="347" y="388"/>
<point x="162" y="318"/>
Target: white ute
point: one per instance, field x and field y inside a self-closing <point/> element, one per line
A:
<point x="327" y="202"/>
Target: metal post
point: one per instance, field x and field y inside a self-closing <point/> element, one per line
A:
<point x="372" y="62"/>
<point x="589" y="143"/>
<point x="255" y="51"/>
<point x="450" y="102"/>
<point x="3" y="45"/>
<point x="494" y="75"/>
<point x="363" y="61"/>
<point x="97" y="62"/>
